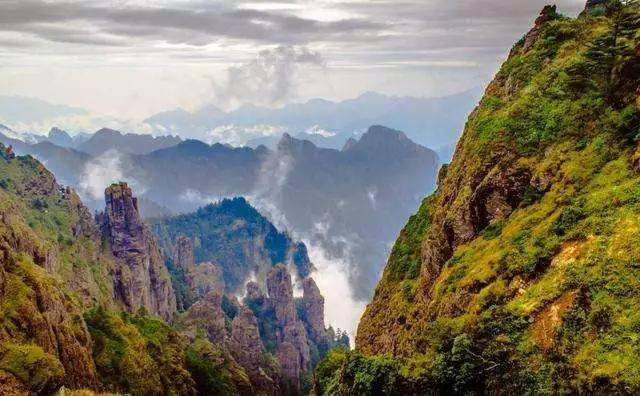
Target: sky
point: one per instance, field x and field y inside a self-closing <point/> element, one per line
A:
<point x="132" y="58"/>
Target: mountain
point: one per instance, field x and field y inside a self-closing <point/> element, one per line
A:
<point x="88" y="303"/>
<point x="349" y="204"/>
<point x="21" y="110"/>
<point x="518" y="274"/>
<point x="431" y="122"/>
<point x="234" y="240"/>
<point x="108" y="139"/>
<point x="60" y="138"/>
<point x="26" y="138"/>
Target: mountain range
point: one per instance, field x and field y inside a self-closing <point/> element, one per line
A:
<point x="94" y="302"/>
<point x="432" y="122"/>
<point x="349" y="203"/>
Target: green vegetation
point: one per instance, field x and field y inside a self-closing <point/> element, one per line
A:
<point x="138" y="354"/>
<point x="225" y="234"/>
<point x="39" y="370"/>
<point x="404" y="261"/>
<point x="540" y="300"/>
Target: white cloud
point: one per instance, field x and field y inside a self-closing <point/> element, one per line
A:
<point x="342" y="310"/>
<point x="198" y="198"/>
<point x="270" y="79"/>
<point x="102" y="171"/>
<point x="317" y="130"/>
<point x="237" y="135"/>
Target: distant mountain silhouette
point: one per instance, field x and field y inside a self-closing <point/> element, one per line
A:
<point x="351" y="202"/>
<point x="432" y="122"/>
<point x="108" y="139"/>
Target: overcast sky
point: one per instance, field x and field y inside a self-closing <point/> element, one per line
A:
<point x="132" y="58"/>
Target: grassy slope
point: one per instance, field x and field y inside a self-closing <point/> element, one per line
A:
<point x="58" y="324"/>
<point x="546" y="298"/>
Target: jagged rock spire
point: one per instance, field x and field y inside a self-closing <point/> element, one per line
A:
<point x="141" y="279"/>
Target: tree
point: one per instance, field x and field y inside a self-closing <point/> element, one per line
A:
<point x="609" y="52"/>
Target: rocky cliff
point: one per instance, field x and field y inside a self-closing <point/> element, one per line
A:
<point x="140" y="276"/>
<point x="233" y="241"/>
<point x="47" y="272"/>
<point x="85" y="303"/>
<point x="228" y="250"/>
<point x="517" y="274"/>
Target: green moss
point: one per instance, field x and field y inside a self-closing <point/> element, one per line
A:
<point x="404" y="261"/>
<point x="540" y="301"/>
<point x="41" y="371"/>
<point x="138" y="354"/>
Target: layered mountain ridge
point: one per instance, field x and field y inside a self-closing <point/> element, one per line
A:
<point x="350" y="203"/>
<point x="89" y="303"/>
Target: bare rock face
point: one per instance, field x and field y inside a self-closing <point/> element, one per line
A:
<point x="293" y="351"/>
<point x="141" y="278"/>
<point x="254" y="292"/>
<point x="280" y="291"/>
<point x="205" y="278"/>
<point x="548" y="13"/>
<point x="313" y="304"/>
<point x="183" y="253"/>
<point x="208" y="315"/>
<point x="247" y="349"/>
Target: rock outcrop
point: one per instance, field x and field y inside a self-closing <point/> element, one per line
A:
<point x="204" y="278"/>
<point x="548" y="13"/>
<point x="141" y="279"/>
<point x="207" y="315"/>
<point x="248" y="350"/>
<point x="313" y="308"/>
<point x="293" y="348"/>
<point x="183" y="253"/>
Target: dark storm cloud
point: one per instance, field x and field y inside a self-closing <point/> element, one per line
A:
<point x="191" y="23"/>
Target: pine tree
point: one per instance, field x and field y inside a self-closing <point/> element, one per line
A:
<point x="611" y="50"/>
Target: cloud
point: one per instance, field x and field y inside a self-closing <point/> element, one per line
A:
<point x="99" y="173"/>
<point x="238" y="135"/>
<point x="317" y="130"/>
<point x="198" y="198"/>
<point x="185" y="22"/>
<point x="102" y="171"/>
<point x="266" y="195"/>
<point x="269" y="79"/>
<point x="342" y="310"/>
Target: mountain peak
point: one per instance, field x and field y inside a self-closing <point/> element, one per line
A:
<point x="288" y="142"/>
<point x="380" y="140"/>
<point x="108" y="132"/>
<point x="59" y="137"/>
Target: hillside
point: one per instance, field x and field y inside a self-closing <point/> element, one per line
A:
<point x="519" y="274"/>
<point x="233" y="241"/>
<point x="89" y="303"/>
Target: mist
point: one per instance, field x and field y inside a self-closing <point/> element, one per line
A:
<point x="270" y="79"/>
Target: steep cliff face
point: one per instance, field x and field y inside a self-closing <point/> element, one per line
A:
<point x="516" y="274"/>
<point x="228" y="250"/>
<point x="44" y="342"/>
<point x="313" y="312"/>
<point x="141" y="277"/>
<point x="293" y="348"/>
<point x="233" y="237"/>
